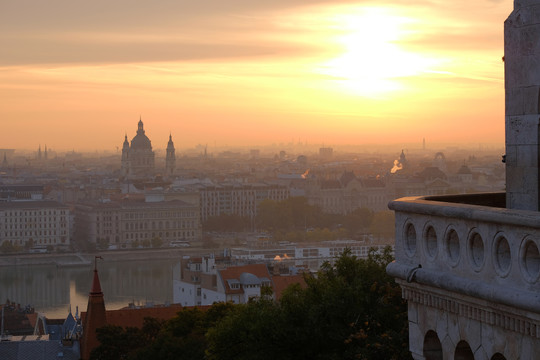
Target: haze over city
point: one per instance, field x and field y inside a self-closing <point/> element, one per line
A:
<point x="79" y="75"/>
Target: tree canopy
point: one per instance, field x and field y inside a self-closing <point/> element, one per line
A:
<point x="350" y="309"/>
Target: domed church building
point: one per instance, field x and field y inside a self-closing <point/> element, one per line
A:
<point x="138" y="158"/>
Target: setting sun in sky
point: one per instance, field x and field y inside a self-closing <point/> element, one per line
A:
<point x="77" y="75"/>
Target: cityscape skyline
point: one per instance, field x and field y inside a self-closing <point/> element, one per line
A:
<point x="246" y="73"/>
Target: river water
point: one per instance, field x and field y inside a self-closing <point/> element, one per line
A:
<point x="52" y="290"/>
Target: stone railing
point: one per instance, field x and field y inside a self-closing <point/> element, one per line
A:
<point x="469" y="244"/>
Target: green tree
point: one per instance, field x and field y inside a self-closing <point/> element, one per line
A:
<point x="146" y="243"/>
<point x="157" y="242"/>
<point x="29" y="244"/>
<point x="184" y="336"/>
<point x="117" y="342"/>
<point x="358" y="220"/>
<point x="102" y="243"/>
<point x="7" y="247"/>
<point x="383" y="225"/>
<point x="227" y="223"/>
<point x="350" y="310"/>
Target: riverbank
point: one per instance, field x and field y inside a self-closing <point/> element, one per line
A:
<point x="86" y="259"/>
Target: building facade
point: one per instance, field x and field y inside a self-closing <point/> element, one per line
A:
<point x="34" y="223"/>
<point x="125" y="222"/>
<point x="237" y="199"/>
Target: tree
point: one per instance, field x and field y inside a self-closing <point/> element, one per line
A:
<point x="117" y="342"/>
<point x="29" y="244"/>
<point x="146" y="243"/>
<point x="383" y="225"/>
<point x="7" y="247"/>
<point x="157" y="242"/>
<point x="358" y="220"/>
<point x="102" y="243"/>
<point x="227" y="223"/>
<point x="350" y="310"/>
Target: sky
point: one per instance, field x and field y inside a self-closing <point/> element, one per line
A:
<point x="79" y="75"/>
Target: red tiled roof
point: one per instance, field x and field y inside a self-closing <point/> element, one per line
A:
<point x="280" y="283"/>
<point x="234" y="272"/>
<point x="134" y="317"/>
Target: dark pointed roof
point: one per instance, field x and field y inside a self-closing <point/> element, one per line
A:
<point x="95" y="316"/>
<point x="96" y="286"/>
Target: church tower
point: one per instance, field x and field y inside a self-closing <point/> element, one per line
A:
<point x="138" y="158"/>
<point x="125" y="157"/>
<point x="170" y="159"/>
<point x="95" y="316"/>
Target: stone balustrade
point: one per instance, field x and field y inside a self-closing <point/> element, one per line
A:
<point x="470" y="244"/>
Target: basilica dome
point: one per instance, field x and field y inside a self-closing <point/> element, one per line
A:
<point x="141" y="141"/>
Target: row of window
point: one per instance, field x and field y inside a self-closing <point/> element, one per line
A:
<point x="159" y="215"/>
<point x="34" y="213"/>
<point x="31" y="233"/>
<point x="166" y="235"/>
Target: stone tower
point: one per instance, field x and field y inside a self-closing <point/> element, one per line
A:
<point x="170" y="159"/>
<point x="469" y="265"/>
<point x="522" y="85"/>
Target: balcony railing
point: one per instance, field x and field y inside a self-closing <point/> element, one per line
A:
<point x="469" y="244"/>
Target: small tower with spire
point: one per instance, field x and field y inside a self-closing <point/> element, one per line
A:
<point x="125" y="157"/>
<point x="95" y="316"/>
<point x="170" y="159"/>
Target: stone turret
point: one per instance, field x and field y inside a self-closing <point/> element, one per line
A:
<point x="522" y="84"/>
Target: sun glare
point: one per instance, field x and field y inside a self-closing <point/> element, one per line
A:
<point x="372" y="60"/>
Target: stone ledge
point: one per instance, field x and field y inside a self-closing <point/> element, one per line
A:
<point x="524" y="300"/>
<point x="473" y="311"/>
<point x="441" y="206"/>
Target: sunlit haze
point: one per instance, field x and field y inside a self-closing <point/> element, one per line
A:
<point x="78" y="75"/>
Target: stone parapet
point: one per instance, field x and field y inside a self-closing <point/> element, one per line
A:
<point x="475" y="243"/>
<point x="470" y="269"/>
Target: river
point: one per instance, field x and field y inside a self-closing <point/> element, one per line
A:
<point x="52" y="290"/>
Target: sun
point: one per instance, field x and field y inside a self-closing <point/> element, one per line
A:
<point x="373" y="59"/>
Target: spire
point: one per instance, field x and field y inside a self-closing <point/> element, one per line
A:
<point x="140" y="127"/>
<point x="95" y="315"/>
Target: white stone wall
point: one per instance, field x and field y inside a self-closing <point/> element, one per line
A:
<point x="185" y="293"/>
<point x="469" y="273"/>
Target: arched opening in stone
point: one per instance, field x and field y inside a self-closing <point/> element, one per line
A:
<point x="432" y="346"/>
<point x="498" y="356"/>
<point x="463" y="351"/>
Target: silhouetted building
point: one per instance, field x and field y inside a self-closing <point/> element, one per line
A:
<point x="138" y="158"/>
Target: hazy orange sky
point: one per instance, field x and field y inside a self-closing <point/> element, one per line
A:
<point x="77" y="75"/>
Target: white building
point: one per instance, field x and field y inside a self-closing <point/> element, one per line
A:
<point x="206" y="280"/>
<point x="40" y="223"/>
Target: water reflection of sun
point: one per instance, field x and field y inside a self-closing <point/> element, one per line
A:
<point x="373" y="59"/>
